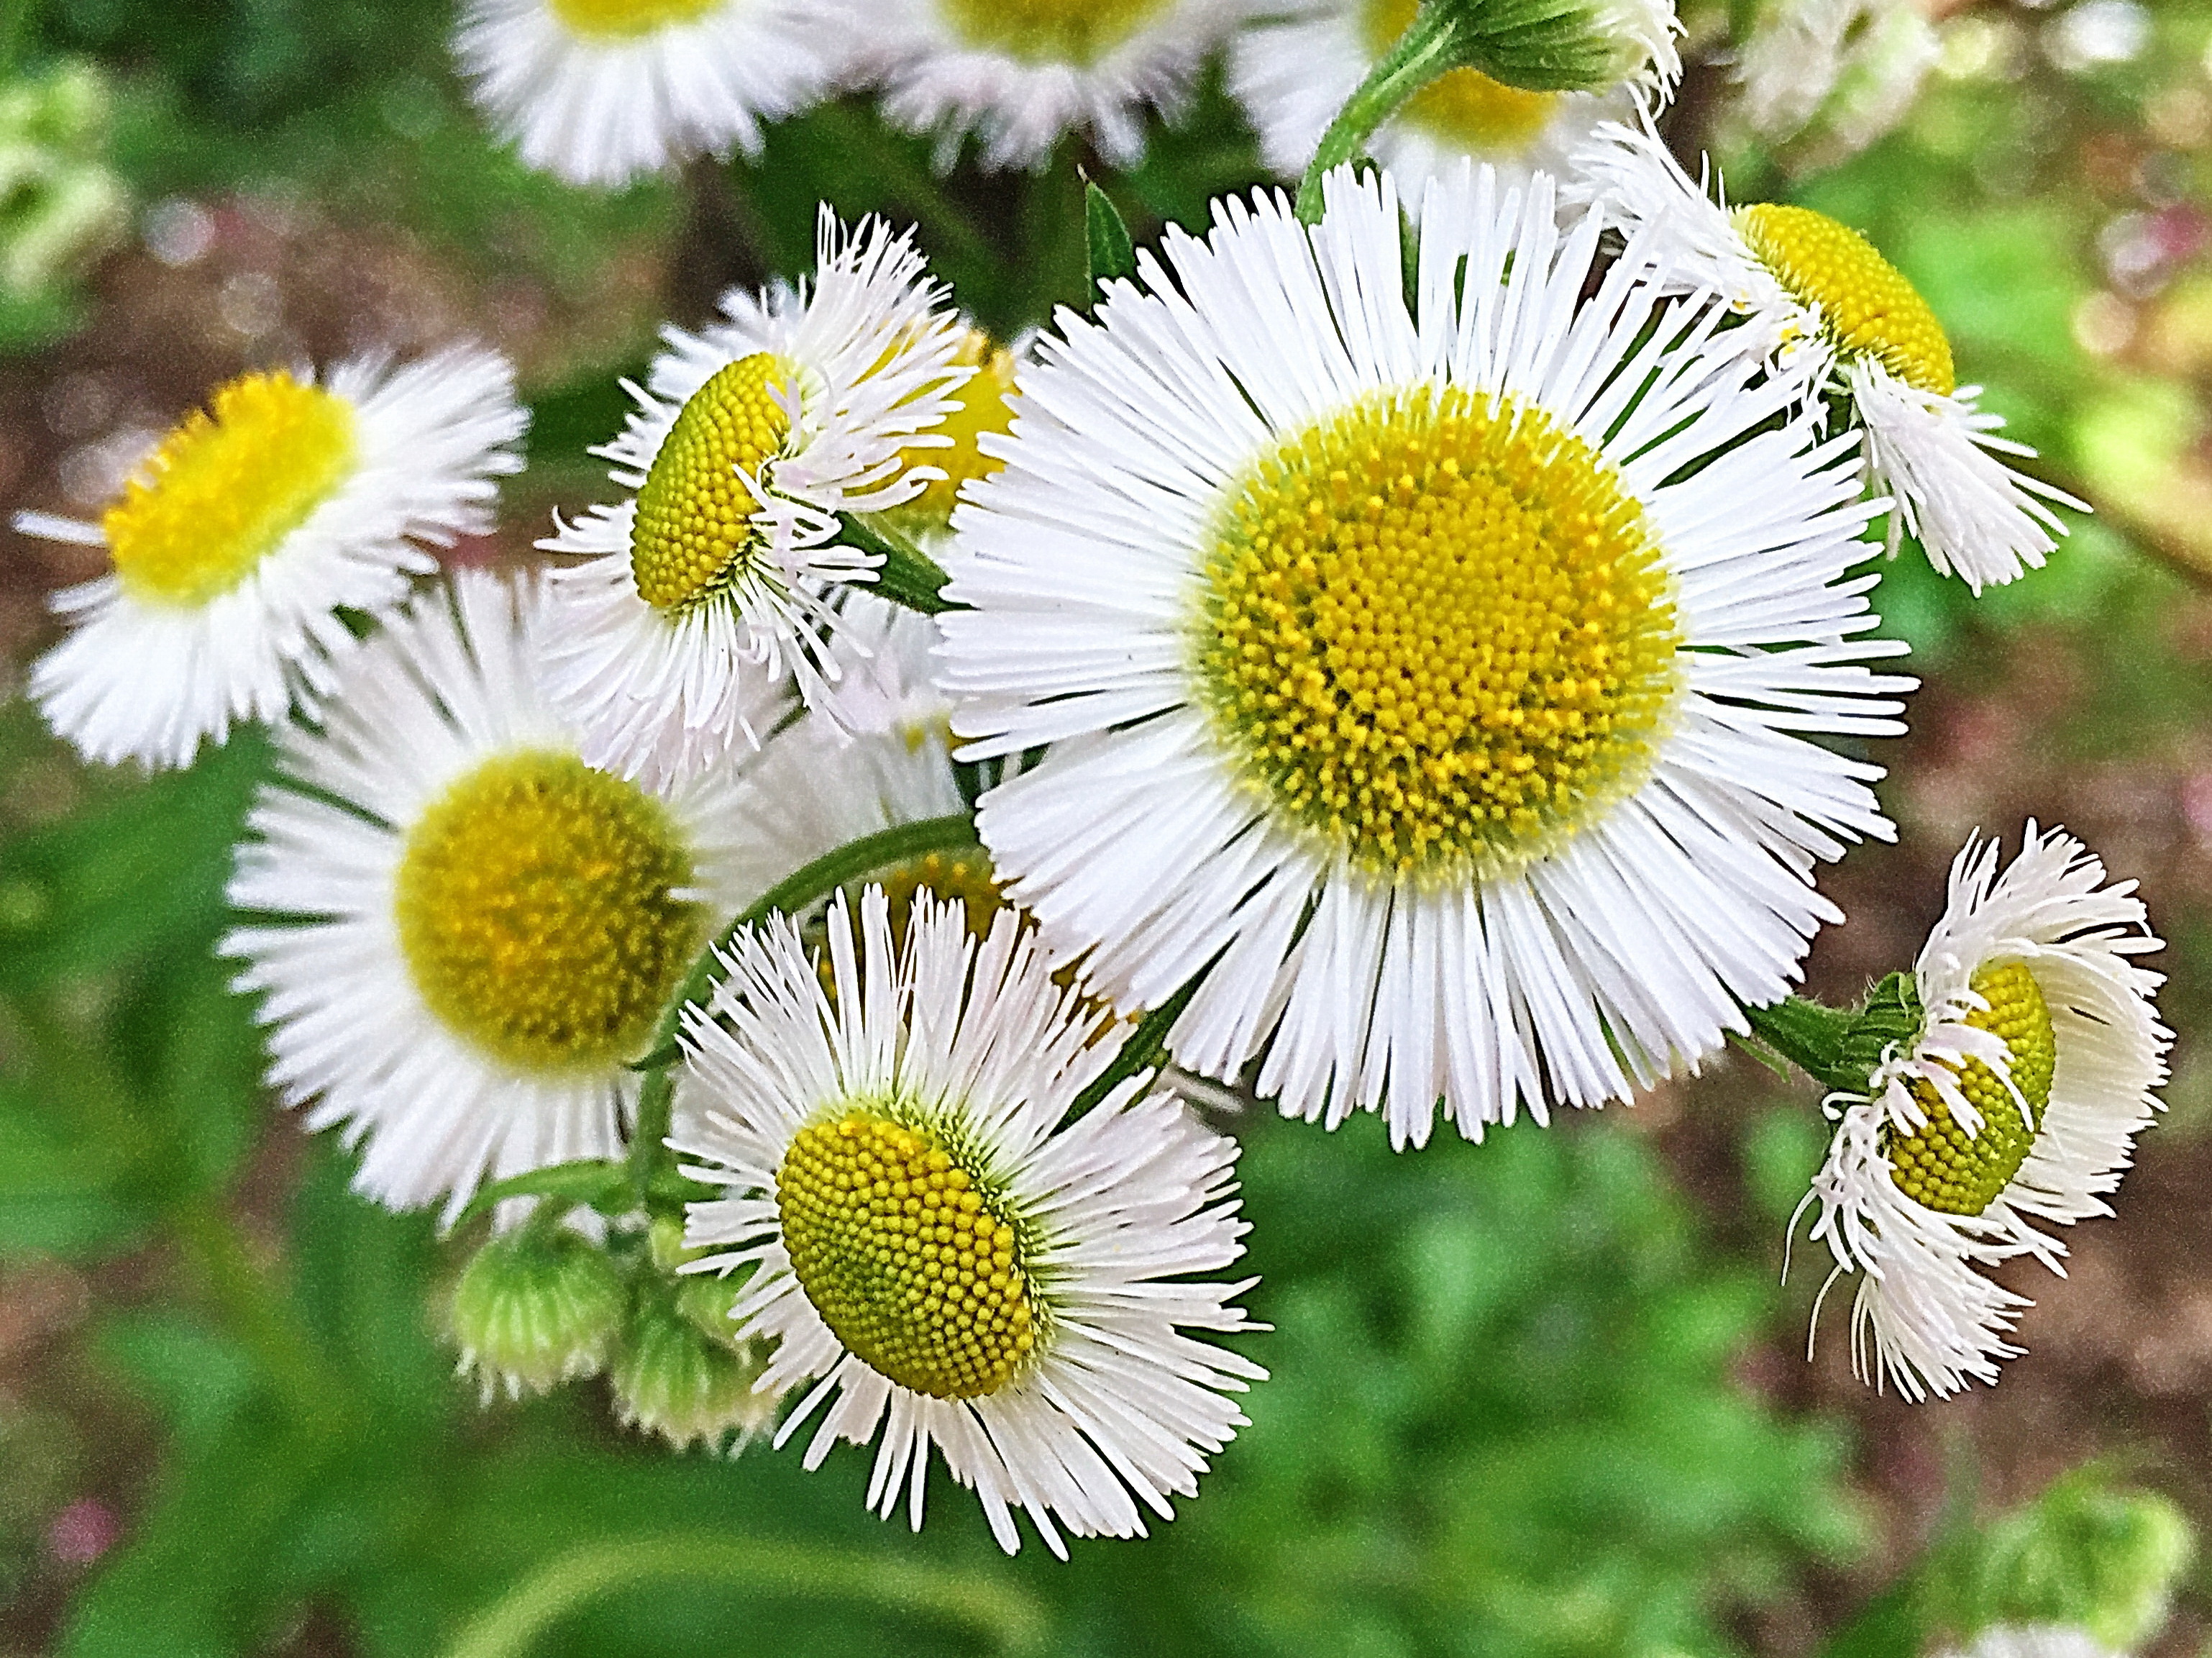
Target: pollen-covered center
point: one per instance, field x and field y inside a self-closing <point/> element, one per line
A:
<point x="912" y="1262"/>
<point x="1462" y="105"/>
<point x="227" y="486"/>
<point x="1941" y="1166"/>
<point x="1867" y="303"/>
<point x="541" y="910"/>
<point x="618" y="20"/>
<point x="1078" y="32"/>
<point x="978" y="407"/>
<point x="1437" y="631"/>
<point x="694" y="528"/>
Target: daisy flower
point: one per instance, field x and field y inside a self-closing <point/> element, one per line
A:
<point x="597" y="92"/>
<point x="748" y="441"/>
<point x="1025" y="1315"/>
<point x="2018" y="1101"/>
<point x="1293" y="69"/>
<point x="465" y="932"/>
<point x="1428" y="677"/>
<point x="250" y="527"/>
<point x="1021" y="73"/>
<point x="1832" y="312"/>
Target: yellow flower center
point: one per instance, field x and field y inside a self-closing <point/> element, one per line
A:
<point x="694" y="528"/>
<point x="227" y="486"/>
<point x="1463" y="106"/>
<point x="1438" y="634"/>
<point x="962" y="877"/>
<point x="912" y="1260"/>
<point x="978" y="407"/>
<point x="541" y="910"/>
<point x="1078" y="32"/>
<point x="1941" y="1166"/>
<point x="625" y="20"/>
<point x="1864" y="301"/>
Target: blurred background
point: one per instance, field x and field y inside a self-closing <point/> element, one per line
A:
<point x="1544" y="1396"/>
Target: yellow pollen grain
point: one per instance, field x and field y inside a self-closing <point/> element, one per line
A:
<point x="978" y="407"/>
<point x="1463" y="106"/>
<point x="911" y="1260"/>
<point x="1078" y="32"/>
<point x="1864" y="301"/>
<point x="539" y="911"/>
<point x="1941" y="1167"/>
<point x="1437" y="633"/>
<point x="694" y="526"/>
<point x="227" y="486"/>
<point x="622" y="19"/>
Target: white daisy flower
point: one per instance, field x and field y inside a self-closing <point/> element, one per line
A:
<point x="1835" y="74"/>
<point x="1292" y="70"/>
<point x="597" y="92"/>
<point x="467" y="932"/>
<point x="252" y="525"/>
<point x="1835" y="313"/>
<point x="1035" y="1337"/>
<point x="1398" y="677"/>
<point x="2018" y="1101"/>
<point x="2034" y="1641"/>
<point x="750" y="439"/>
<point x="1019" y="73"/>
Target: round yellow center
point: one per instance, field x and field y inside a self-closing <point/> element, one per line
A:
<point x="911" y="1260"/>
<point x="1864" y="301"/>
<point x="979" y="406"/>
<point x="1941" y="1166"/>
<point x="1464" y="107"/>
<point x="227" y="486"/>
<point x="1078" y="32"/>
<point x="694" y="526"/>
<point x="1437" y="632"/>
<point x="622" y="19"/>
<point x="540" y="911"/>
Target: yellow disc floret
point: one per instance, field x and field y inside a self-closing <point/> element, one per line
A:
<point x="622" y="20"/>
<point x="541" y="910"/>
<point x="694" y="528"/>
<point x="1864" y="301"/>
<point x="978" y="407"/>
<point x="1941" y="1165"/>
<point x="1078" y="32"/>
<point x="962" y="878"/>
<point x="1463" y="106"/>
<point x="1437" y="632"/>
<point x="913" y="1261"/>
<point x="227" y="486"/>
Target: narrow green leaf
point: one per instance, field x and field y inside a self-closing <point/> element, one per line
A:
<point x="1113" y="254"/>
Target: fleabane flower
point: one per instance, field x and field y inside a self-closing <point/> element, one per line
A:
<point x="464" y="932"/>
<point x="1428" y="678"/>
<point x="1292" y="69"/>
<point x="256" y="522"/>
<point x="1828" y="77"/>
<point x="950" y="1263"/>
<point x="1828" y="309"/>
<point x="748" y="442"/>
<point x="2018" y="1101"/>
<point x="597" y="92"/>
<point x="1019" y="73"/>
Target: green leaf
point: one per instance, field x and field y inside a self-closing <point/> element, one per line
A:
<point x="1113" y="254"/>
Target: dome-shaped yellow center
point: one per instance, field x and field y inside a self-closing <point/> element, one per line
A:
<point x="978" y="407"/>
<point x="912" y="1260"/>
<point x="1462" y="107"/>
<point x="1941" y="1166"/>
<point x="1078" y="32"/>
<point x="1864" y="301"/>
<point x="1436" y="632"/>
<point x="542" y="914"/>
<point x="694" y="528"/>
<point x="227" y="486"/>
<point x="622" y="19"/>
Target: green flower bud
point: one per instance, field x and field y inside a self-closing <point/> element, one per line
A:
<point x="535" y="1307"/>
<point x="1567" y="46"/>
<point x="678" y="1374"/>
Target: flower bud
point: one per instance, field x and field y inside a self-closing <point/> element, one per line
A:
<point x="678" y="1373"/>
<point x="535" y="1307"/>
<point x="1568" y="45"/>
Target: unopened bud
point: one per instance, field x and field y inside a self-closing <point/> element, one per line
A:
<point x="679" y="1373"/>
<point x="536" y="1306"/>
<point x="1569" y="46"/>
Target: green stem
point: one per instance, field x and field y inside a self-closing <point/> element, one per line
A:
<point x="255" y="1311"/>
<point x="817" y="879"/>
<point x="1429" y="46"/>
<point x="907" y="575"/>
<point x="1146" y="1048"/>
<point x="854" y="135"/>
<point x="1810" y="1035"/>
<point x="1004" y="1615"/>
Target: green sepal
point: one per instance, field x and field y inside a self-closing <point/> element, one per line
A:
<point x="1113" y="254"/>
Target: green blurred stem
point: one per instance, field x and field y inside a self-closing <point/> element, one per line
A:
<point x="1003" y="1615"/>
<point x="1810" y="1035"/>
<point x="817" y="880"/>
<point x="255" y="1311"/>
<point x="1429" y="47"/>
